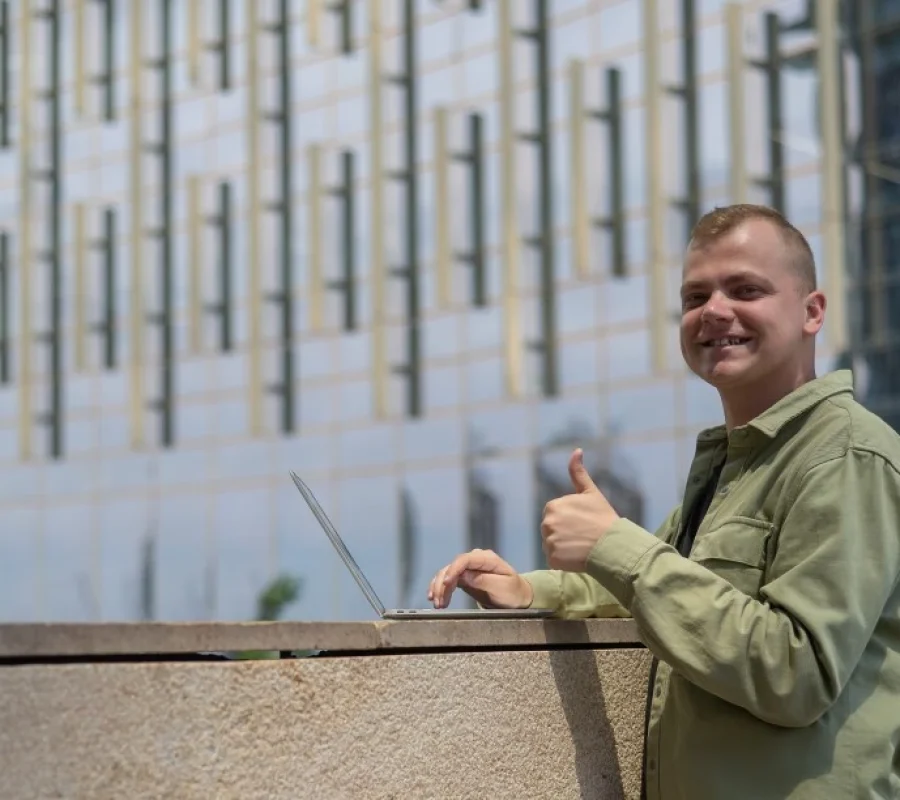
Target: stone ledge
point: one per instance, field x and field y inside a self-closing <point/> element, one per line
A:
<point x="501" y="725"/>
<point x="28" y="640"/>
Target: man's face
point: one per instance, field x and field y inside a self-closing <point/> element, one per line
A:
<point x="745" y="316"/>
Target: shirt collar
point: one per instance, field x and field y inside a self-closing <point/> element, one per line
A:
<point x="791" y="406"/>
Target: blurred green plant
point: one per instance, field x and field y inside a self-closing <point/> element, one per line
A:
<point x="277" y="596"/>
<point x="271" y="603"/>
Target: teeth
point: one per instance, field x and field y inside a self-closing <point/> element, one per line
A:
<point x="725" y="342"/>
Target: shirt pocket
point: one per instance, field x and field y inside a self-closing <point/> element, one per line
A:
<point x="735" y="549"/>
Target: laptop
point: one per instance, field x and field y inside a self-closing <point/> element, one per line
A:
<point x="404" y="613"/>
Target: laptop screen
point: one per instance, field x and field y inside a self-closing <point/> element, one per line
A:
<point x="339" y="545"/>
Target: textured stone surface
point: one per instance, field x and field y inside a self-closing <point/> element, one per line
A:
<point x="552" y="724"/>
<point x="32" y="641"/>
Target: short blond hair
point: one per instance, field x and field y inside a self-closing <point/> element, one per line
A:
<point x="720" y="221"/>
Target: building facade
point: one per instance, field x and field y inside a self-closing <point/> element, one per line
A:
<point x="873" y="41"/>
<point x="414" y="250"/>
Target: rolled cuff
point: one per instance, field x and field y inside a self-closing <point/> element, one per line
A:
<point x="613" y="561"/>
<point x="546" y="588"/>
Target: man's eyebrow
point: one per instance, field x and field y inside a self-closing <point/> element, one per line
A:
<point x="748" y="275"/>
<point x="736" y="277"/>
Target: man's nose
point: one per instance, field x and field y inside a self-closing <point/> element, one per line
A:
<point x="716" y="308"/>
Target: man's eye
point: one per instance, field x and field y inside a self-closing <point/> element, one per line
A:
<point x="692" y="301"/>
<point x="748" y="291"/>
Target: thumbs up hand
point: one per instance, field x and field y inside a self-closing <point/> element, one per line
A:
<point x="573" y="524"/>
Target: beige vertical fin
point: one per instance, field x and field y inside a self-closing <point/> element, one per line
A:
<point x="734" y="17"/>
<point x="577" y="188"/>
<point x="376" y="158"/>
<point x="832" y="172"/>
<point x="252" y="121"/>
<point x="509" y="228"/>
<point x="80" y="249"/>
<point x="314" y="199"/>
<point x="79" y="45"/>
<point x="442" y="256"/>
<point x="314" y="23"/>
<point x="656" y="199"/>
<point x="26" y="254"/>
<point x="136" y="367"/>
<point x="195" y="262"/>
<point x="194" y="39"/>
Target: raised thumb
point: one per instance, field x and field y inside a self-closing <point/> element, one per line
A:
<point x="579" y="475"/>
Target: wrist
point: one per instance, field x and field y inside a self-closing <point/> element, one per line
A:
<point x="527" y="593"/>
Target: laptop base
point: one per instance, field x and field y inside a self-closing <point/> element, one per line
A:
<point x="467" y="613"/>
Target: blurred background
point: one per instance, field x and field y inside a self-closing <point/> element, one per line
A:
<point x="416" y="250"/>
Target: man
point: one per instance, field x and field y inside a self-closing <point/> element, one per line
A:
<point x="769" y="598"/>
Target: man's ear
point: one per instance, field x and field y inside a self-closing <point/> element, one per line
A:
<point x="815" y="312"/>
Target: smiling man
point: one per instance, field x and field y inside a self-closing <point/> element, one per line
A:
<point x="770" y="597"/>
<point x="750" y="309"/>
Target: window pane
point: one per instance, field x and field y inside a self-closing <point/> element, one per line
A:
<point x="123" y="526"/>
<point x="179" y="552"/>
<point x="19" y="566"/>
<point x="366" y="516"/>
<point x="653" y="470"/>
<point x="569" y="419"/>
<point x="620" y="24"/>
<point x="244" y="543"/>
<point x="629" y="355"/>
<point x="509" y="483"/>
<point x="67" y="585"/>
<point x="436" y="506"/>
<point x="367" y="447"/>
<point x="636" y="411"/>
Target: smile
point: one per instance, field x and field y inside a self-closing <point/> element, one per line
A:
<point x="725" y="342"/>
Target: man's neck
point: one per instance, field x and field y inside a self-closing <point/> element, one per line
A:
<point x="747" y="403"/>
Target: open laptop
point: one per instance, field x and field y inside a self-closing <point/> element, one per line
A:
<point x="404" y="613"/>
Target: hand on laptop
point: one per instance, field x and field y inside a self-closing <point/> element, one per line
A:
<point x="483" y="575"/>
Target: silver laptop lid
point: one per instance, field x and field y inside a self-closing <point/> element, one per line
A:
<point x="339" y="545"/>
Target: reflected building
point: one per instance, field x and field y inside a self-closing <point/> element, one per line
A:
<point x="484" y="516"/>
<point x="338" y="237"/>
<point x="873" y="45"/>
<point x="551" y="479"/>
<point x="407" y="549"/>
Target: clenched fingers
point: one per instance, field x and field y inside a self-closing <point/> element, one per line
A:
<point x="447" y="579"/>
<point x="436" y="587"/>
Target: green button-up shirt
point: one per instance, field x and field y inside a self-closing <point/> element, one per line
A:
<point x="778" y="639"/>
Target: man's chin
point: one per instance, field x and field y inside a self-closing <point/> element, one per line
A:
<point x="723" y="374"/>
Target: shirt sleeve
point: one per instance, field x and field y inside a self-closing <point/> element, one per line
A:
<point x="577" y="595"/>
<point x="786" y="657"/>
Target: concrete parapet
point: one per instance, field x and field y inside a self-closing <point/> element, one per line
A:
<point x="411" y="709"/>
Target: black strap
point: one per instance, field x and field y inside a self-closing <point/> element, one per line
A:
<point x="697" y="513"/>
<point x="685" y="543"/>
